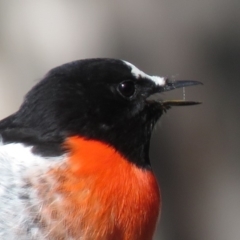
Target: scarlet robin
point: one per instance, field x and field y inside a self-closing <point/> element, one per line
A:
<point x="74" y="159"/>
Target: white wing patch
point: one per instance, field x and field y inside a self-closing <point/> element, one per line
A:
<point x="140" y="74"/>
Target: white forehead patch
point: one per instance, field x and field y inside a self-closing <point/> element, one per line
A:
<point x="140" y="74"/>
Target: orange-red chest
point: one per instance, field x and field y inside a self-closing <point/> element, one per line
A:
<point x="99" y="195"/>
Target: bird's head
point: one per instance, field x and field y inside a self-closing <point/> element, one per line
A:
<point x="102" y="99"/>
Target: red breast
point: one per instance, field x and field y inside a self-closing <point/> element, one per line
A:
<point x="98" y="194"/>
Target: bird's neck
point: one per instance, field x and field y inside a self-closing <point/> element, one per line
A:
<point x="102" y="195"/>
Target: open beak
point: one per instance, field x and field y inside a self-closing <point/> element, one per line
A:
<point x="171" y="85"/>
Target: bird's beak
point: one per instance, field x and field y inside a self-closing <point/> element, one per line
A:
<point x="170" y="85"/>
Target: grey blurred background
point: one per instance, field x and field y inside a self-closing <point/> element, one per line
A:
<point x="195" y="150"/>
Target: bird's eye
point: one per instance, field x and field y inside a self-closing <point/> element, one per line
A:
<point x="127" y="88"/>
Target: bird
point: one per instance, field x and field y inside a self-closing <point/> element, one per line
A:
<point x="74" y="159"/>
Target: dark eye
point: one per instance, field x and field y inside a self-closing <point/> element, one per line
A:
<point x="127" y="88"/>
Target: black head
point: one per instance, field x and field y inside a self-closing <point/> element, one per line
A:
<point x="102" y="99"/>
